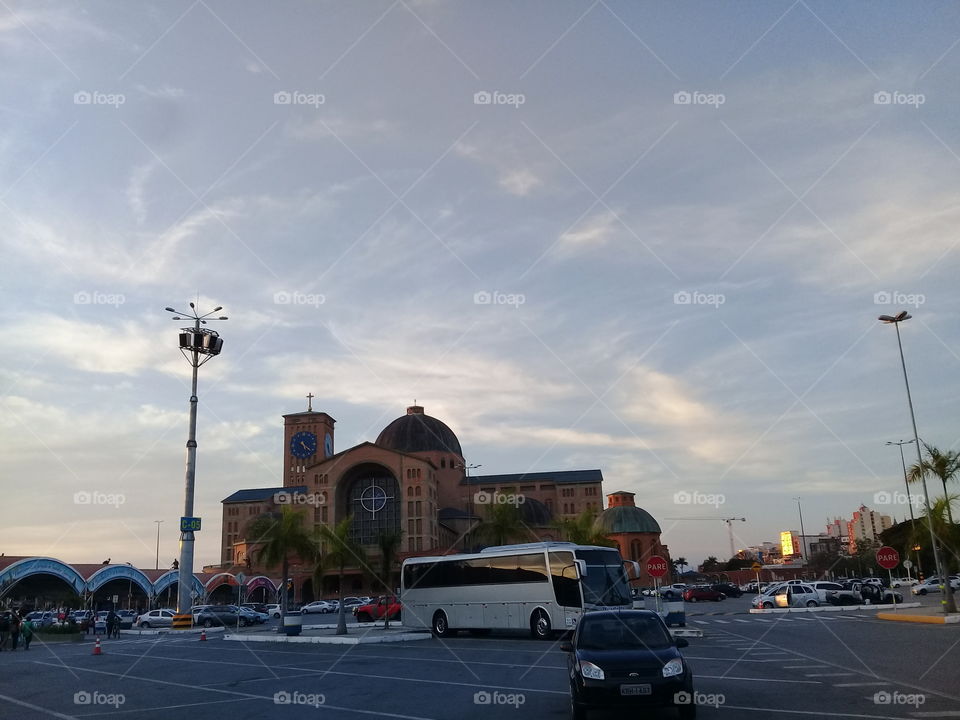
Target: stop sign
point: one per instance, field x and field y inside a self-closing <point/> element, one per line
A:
<point x="656" y="566"/>
<point x="888" y="558"/>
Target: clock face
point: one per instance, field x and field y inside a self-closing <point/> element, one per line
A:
<point x="303" y="445"/>
<point x="328" y="445"/>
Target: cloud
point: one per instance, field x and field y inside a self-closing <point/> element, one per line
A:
<point x="592" y="233"/>
<point x="519" y="182"/>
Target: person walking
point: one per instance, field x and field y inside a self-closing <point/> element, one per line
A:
<point x="14" y="631"/>
<point x="111" y="623"/>
<point x="26" y="630"/>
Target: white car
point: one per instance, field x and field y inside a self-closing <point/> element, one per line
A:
<point x="796" y="595"/>
<point x="823" y="587"/>
<point x="317" y="606"/>
<point x="904" y="582"/>
<point x="162" y="618"/>
<point x="273" y="610"/>
<point x="932" y="585"/>
<point x="672" y="592"/>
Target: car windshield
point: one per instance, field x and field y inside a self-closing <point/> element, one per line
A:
<point x="623" y="633"/>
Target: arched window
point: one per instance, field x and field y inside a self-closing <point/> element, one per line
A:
<point x="372" y="498"/>
<point x="417" y="491"/>
<point x="443" y="463"/>
<point x="410" y="492"/>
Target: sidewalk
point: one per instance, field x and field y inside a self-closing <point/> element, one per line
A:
<point x="931" y="615"/>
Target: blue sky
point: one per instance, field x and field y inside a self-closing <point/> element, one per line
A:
<point x="352" y="234"/>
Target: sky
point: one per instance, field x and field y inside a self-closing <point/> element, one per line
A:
<point x="648" y="238"/>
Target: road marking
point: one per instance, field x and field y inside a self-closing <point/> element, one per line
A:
<point x="740" y="621"/>
<point x="701" y="622"/>
<point x="723" y="622"/>
<point x="804" y="667"/>
<point x="815" y="713"/>
<point x="859" y="684"/>
<point x="37" y="708"/>
<point x="755" y="679"/>
<point x="829" y="674"/>
<point x="937" y="713"/>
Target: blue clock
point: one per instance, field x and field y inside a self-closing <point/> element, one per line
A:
<point x="328" y="445"/>
<point x="303" y="445"/>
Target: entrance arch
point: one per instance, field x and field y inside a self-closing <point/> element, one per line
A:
<point x="29" y="579"/>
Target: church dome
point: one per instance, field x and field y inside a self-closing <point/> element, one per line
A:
<point x="622" y="516"/>
<point x="535" y="513"/>
<point x="417" y="432"/>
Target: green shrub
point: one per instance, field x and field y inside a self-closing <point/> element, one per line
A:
<point x="65" y="629"/>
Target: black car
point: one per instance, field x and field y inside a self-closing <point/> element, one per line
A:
<point x="216" y="615"/>
<point x="627" y="660"/>
<point x="728" y="589"/>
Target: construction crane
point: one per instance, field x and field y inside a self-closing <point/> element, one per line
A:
<point x="728" y="521"/>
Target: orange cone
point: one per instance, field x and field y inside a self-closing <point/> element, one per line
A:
<point x="96" y="648"/>
<point x="203" y="635"/>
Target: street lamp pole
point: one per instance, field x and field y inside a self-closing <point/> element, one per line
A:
<point x="947" y="602"/>
<point x="906" y="484"/>
<point x="803" y="542"/>
<point x="157" y="565"/>
<point x="467" y="534"/>
<point x="198" y="345"/>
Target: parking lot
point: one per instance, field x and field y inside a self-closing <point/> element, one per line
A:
<point x="817" y="665"/>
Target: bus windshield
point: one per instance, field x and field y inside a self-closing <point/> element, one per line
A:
<point x="605" y="584"/>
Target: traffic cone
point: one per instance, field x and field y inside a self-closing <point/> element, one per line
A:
<point x="203" y="636"/>
<point x="96" y="648"/>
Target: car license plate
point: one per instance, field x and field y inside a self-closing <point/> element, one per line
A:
<point x="635" y="689"/>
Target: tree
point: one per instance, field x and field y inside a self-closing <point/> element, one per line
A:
<point x="948" y="537"/>
<point x="942" y="465"/>
<point x="281" y="537"/>
<point x="502" y="525"/>
<point x="339" y="550"/>
<point x="581" y="530"/>
<point x="389" y="545"/>
<point x="679" y="564"/>
<point x="711" y="564"/>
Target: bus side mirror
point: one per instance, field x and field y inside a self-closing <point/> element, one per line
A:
<point x="581" y="568"/>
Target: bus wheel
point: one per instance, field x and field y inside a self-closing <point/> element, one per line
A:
<point x="540" y="625"/>
<point x="440" y="626"/>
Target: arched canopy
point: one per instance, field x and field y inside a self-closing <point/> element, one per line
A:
<point x="40" y="566"/>
<point x="168" y="579"/>
<point x="223" y="578"/>
<point x="255" y="583"/>
<point x="119" y="572"/>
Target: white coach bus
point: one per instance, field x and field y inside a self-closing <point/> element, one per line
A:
<point x="543" y="586"/>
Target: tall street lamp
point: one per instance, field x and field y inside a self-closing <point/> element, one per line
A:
<point x="157" y="565"/>
<point x="947" y="602"/>
<point x="803" y="542"/>
<point x="467" y="534"/>
<point x="906" y="484"/>
<point x="198" y="345"/>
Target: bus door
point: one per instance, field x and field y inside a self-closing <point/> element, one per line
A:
<point x="567" y="590"/>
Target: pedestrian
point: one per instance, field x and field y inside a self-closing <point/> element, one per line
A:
<point x="14" y="631"/>
<point x="4" y="629"/>
<point x="26" y="630"/>
<point x="111" y="622"/>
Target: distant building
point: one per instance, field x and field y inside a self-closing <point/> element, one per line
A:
<point x="634" y="530"/>
<point x="866" y="524"/>
<point x="790" y="544"/>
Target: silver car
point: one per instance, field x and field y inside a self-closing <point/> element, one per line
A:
<point x="156" y="619"/>
<point x="796" y="595"/>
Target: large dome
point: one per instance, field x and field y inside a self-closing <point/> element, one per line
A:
<point x="626" y="519"/>
<point x="417" y="432"/>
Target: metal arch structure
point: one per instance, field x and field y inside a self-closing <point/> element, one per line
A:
<point x="119" y="572"/>
<point x="28" y="567"/>
<point x="172" y="576"/>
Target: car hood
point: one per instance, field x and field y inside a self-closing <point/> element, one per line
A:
<point x="622" y="662"/>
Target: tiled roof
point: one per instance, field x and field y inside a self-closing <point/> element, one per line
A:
<point x="561" y="476"/>
<point x="260" y="494"/>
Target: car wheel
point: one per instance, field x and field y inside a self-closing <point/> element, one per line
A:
<point x="207" y="623"/>
<point x="693" y="598"/>
<point x="812" y="603"/>
<point x="768" y="606"/>
<point x="363" y="617"/>
<point x="578" y="711"/>
<point x="440" y="625"/>
<point x="540" y="625"/>
<point x="923" y="591"/>
<point x="145" y="625"/>
<point x="718" y="599"/>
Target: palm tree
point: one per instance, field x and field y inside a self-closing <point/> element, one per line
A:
<point x="281" y="537"/>
<point x="679" y="564"/>
<point x="581" y="530"/>
<point x="389" y="546"/>
<point x="503" y="524"/>
<point x="948" y="536"/>
<point x="339" y="551"/>
<point x="942" y="465"/>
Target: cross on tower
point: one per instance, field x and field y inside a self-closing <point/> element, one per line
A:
<point x="310" y="397"/>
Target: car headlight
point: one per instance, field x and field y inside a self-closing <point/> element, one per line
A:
<point x="591" y="671"/>
<point x="673" y="668"/>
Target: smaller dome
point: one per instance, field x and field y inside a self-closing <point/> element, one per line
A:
<point x="535" y="513"/>
<point x="626" y="519"/>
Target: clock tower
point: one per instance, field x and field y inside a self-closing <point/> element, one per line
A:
<point x="307" y="439"/>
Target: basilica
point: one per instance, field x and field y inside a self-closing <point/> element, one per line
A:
<point x="413" y="480"/>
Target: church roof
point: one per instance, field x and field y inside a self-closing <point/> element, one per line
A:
<point x="261" y="494"/>
<point x="418" y="432"/>
<point x="561" y="477"/>
<point x="626" y="519"/>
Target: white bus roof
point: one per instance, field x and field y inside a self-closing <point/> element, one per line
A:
<point x="507" y="550"/>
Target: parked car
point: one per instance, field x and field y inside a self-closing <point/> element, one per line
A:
<point x="932" y="585"/>
<point x="248" y="616"/>
<point x="728" y="589"/>
<point x="217" y="615"/>
<point x="42" y="618"/>
<point x="824" y="587"/>
<point x="672" y="592"/>
<point x="904" y="582"/>
<point x="273" y="610"/>
<point x="386" y="606"/>
<point x="351" y="602"/>
<point x="162" y="618"/>
<point x="796" y="595"/>
<point x="258" y="607"/>
<point x="606" y="644"/>
<point x="318" y="606"/>
<point x="862" y="593"/>
<point x="702" y="592"/>
<point x="127" y="618"/>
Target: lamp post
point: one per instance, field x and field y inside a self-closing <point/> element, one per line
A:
<point x="466" y="535"/>
<point x="198" y="345"/>
<point x="157" y="563"/>
<point x="947" y="602"/>
<point x="906" y="484"/>
<point x="803" y="542"/>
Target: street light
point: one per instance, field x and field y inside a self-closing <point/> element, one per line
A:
<point x="906" y="484"/>
<point x="947" y="601"/>
<point x="803" y="542"/>
<point x="466" y="535"/>
<point x="157" y="565"/>
<point x="198" y="345"/>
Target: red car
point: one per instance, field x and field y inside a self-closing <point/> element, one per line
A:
<point x="696" y="594"/>
<point x="386" y="605"/>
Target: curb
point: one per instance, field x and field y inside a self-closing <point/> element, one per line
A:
<point x="926" y="619"/>
<point x="171" y="631"/>
<point x="332" y="639"/>
<point x="833" y="608"/>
